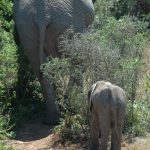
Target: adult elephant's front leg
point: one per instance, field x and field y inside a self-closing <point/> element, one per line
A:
<point x="48" y="94"/>
<point x="49" y="97"/>
<point x="50" y="100"/>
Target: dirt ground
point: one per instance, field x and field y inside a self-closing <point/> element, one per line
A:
<point x="39" y="137"/>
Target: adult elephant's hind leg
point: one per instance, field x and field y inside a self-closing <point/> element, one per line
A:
<point x="30" y="41"/>
<point x="50" y="99"/>
<point x="116" y="141"/>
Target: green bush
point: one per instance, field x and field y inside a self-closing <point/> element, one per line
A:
<point x="147" y="87"/>
<point x="4" y="147"/>
<point x="6" y="15"/>
<point x="8" y="67"/>
<point x="8" y="78"/>
<point x="110" y="52"/>
<point x="70" y="97"/>
<point x="139" y="123"/>
<point x="120" y="8"/>
<point x="5" y="127"/>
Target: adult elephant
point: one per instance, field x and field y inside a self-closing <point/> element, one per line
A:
<point x="39" y="23"/>
<point x="107" y="107"/>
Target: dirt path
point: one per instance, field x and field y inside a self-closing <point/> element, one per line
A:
<point x="39" y="137"/>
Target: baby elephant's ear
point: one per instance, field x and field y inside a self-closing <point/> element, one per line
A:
<point x="91" y="90"/>
<point x="89" y="100"/>
<point x="89" y="94"/>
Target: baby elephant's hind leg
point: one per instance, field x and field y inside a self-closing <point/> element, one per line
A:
<point x="94" y="132"/>
<point x="105" y="129"/>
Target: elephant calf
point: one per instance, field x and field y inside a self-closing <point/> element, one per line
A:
<point x="107" y="107"/>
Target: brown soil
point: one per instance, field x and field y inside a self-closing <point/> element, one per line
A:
<point x="37" y="136"/>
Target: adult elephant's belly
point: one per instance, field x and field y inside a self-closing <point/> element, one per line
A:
<point x="57" y="28"/>
<point x="53" y="32"/>
<point x="63" y="18"/>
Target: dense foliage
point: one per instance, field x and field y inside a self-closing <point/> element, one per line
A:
<point x="8" y="66"/>
<point x="112" y="49"/>
<point x="19" y="91"/>
<point x="119" y="8"/>
<point x="110" y="52"/>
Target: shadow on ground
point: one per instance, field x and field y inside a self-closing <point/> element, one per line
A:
<point x="33" y="131"/>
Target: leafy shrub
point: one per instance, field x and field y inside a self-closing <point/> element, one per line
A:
<point x="120" y="8"/>
<point x="14" y="108"/>
<point x="4" y="147"/>
<point x="71" y="100"/>
<point x="8" y="67"/>
<point x="146" y="87"/>
<point x="110" y="52"/>
<point x="139" y="123"/>
<point x="8" y="78"/>
<point x="6" y="15"/>
<point x="5" y="127"/>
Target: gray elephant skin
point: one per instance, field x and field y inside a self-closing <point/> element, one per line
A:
<point x="107" y="104"/>
<point x="38" y="25"/>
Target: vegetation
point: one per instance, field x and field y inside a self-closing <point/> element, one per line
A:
<point x="112" y="52"/>
<point x="4" y="147"/>
<point x="111" y="49"/>
<point x="19" y="90"/>
<point x="8" y="67"/>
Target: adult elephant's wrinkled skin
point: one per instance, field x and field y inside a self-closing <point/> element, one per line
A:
<point x="107" y="107"/>
<point x="39" y="23"/>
